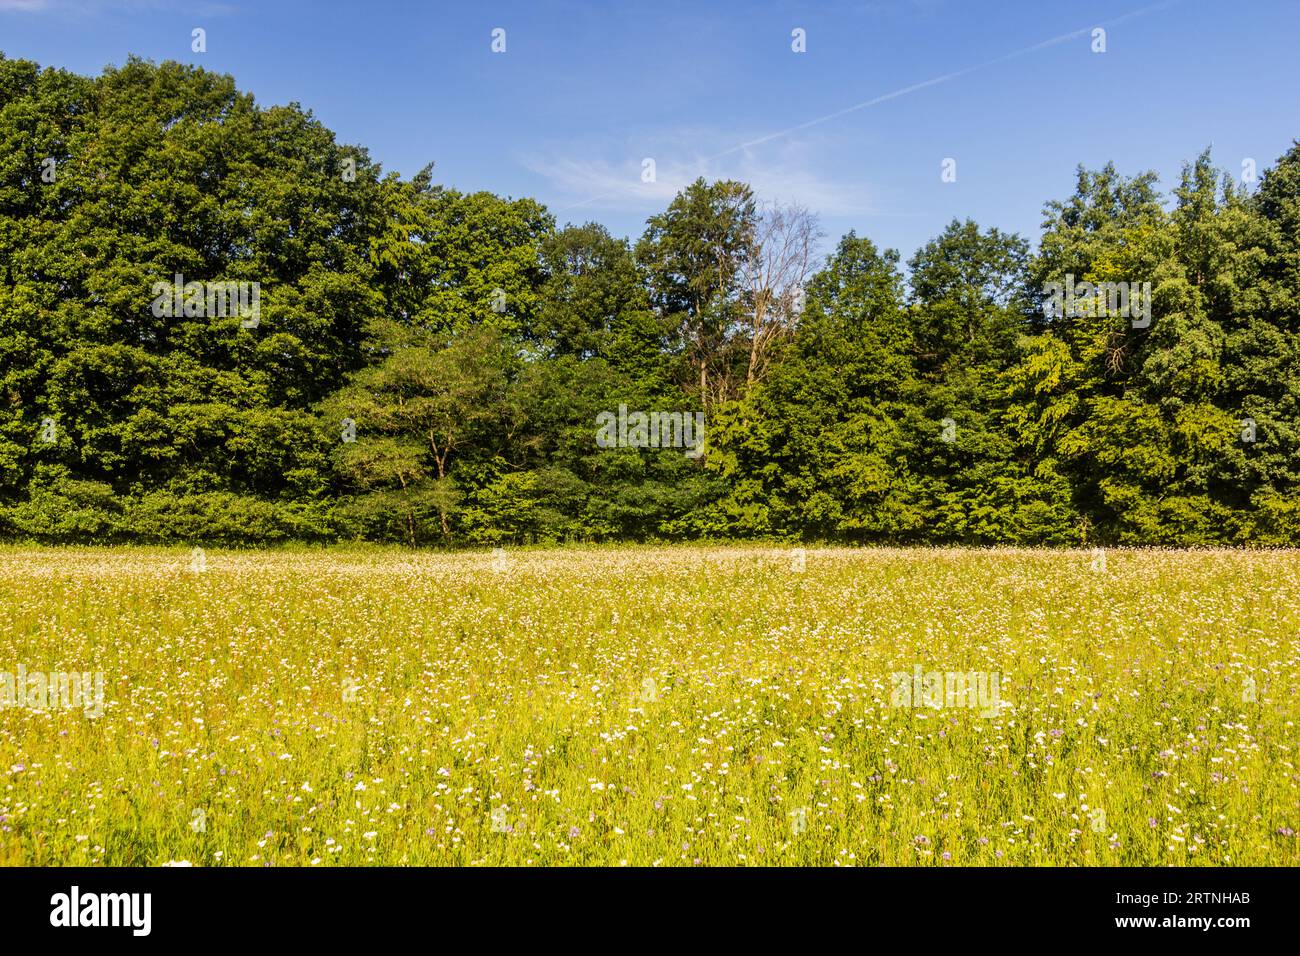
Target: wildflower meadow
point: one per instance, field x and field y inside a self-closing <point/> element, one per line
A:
<point x="649" y="706"/>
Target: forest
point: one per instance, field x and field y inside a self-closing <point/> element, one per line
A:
<point x="218" y="324"/>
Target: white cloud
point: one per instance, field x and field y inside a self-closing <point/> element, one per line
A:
<point x="87" y="7"/>
<point x="784" y="172"/>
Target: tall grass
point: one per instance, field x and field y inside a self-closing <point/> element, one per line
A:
<point x="652" y="706"/>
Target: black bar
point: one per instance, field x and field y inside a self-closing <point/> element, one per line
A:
<point x="932" y="906"/>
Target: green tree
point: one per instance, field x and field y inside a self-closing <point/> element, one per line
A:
<point x="414" y="414"/>
<point x="693" y="255"/>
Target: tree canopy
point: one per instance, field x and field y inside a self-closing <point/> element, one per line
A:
<point x="427" y="366"/>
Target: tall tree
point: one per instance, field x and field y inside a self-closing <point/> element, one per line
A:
<point x="694" y="254"/>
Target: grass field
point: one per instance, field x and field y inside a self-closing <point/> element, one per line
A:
<point x="652" y="706"/>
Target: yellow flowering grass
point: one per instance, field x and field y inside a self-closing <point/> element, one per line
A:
<point x="651" y="706"/>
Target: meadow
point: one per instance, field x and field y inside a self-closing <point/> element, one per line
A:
<point x="669" y="706"/>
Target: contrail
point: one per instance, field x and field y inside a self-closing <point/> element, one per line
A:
<point x="904" y="91"/>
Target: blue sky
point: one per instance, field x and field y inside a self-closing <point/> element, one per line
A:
<point x="584" y="91"/>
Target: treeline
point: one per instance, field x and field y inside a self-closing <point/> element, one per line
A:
<point x="430" y="366"/>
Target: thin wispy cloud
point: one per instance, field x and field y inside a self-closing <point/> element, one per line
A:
<point x="96" y="7"/>
<point x="747" y="146"/>
<point x="789" y="174"/>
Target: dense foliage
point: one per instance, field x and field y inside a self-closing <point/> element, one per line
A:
<point x="429" y="366"/>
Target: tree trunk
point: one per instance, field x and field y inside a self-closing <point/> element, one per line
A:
<point x="442" y="474"/>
